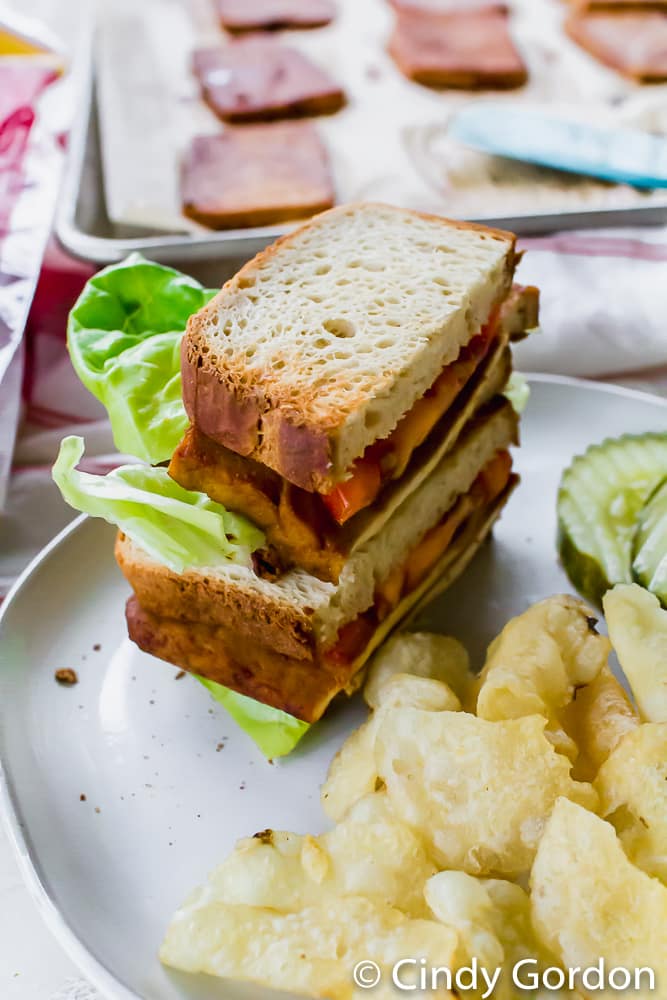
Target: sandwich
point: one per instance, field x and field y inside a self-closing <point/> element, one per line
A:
<point x="340" y="452"/>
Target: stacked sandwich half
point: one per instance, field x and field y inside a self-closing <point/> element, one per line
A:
<point x="344" y="394"/>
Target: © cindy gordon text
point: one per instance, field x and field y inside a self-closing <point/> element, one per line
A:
<point x="412" y="974"/>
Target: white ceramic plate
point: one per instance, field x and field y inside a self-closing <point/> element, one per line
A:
<point x="169" y="782"/>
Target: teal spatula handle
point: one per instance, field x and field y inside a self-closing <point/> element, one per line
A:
<point x="623" y="155"/>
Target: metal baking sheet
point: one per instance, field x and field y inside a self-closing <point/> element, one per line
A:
<point x="389" y="144"/>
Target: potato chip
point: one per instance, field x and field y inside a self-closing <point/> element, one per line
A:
<point x="632" y="785"/>
<point x="534" y="666"/>
<point x="353" y="771"/>
<point x="493" y="922"/>
<point x="638" y="631"/>
<point x="479" y="791"/>
<point x="408" y="691"/>
<point x="423" y="655"/>
<point x="424" y="785"/>
<point x="370" y="853"/>
<point x="598" y="719"/>
<point x="375" y="855"/>
<point x="590" y="903"/>
<point x="461" y="902"/>
<point x="312" y="952"/>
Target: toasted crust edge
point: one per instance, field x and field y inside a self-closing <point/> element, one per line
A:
<point x="213" y="601"/>
<point x="302" y="452"/>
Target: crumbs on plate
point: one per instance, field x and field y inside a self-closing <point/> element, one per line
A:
<point x="66" y="676"/>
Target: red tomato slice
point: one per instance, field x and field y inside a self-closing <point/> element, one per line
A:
<point x="352" y="639"/>
<point x="361" y="489"/>
<point x="355" y="493"/>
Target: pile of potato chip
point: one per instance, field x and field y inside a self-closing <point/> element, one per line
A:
<point x="518" y="814"/>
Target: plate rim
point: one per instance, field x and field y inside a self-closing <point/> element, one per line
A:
<point x="92" y="968"/>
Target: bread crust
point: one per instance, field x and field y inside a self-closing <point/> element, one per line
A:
<point x="272" y="427"/>
<point x="215" y="603"/>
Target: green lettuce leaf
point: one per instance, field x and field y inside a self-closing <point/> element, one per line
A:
<point x="179" y="528"/>
<point x="275" y="733"/>
<point x="124" y="335"/>
<point x="182" y="529"/>
<point x="517" y="391"/>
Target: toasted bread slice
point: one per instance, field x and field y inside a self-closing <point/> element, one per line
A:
<point x="258" y="79"/>
<point x="302" y="686"/>
<point x="318" y="346"/>
<point x="466" y="47"/>
<point x="256" y="175"/>
<point x="267" y="15"/>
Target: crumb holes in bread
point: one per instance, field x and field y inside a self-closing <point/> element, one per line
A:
<point x="339" y="327"/>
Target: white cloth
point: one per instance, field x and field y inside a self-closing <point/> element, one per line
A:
<point x="603" y="304"/>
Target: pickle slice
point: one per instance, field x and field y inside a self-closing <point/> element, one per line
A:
<point x="649" y="565"/>
<point x="600" y="499"/>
